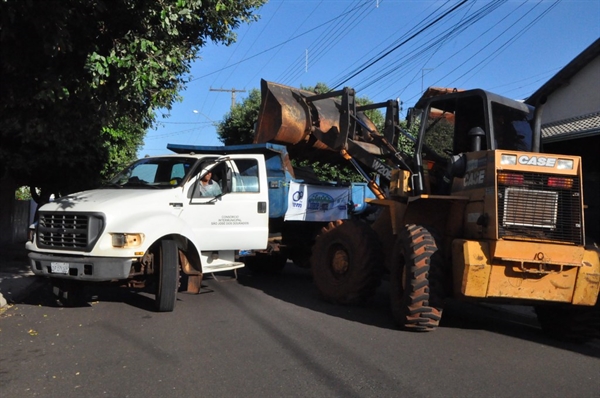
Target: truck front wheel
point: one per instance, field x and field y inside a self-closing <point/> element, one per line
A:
<point x="168" y="276"/>
<point x="347" y="262"/>
<point x="416" y="280"/>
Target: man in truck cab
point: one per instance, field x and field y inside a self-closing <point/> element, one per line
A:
<point x="208" y="187"/>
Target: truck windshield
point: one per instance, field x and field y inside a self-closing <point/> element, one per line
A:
<point x="151" y="173"/>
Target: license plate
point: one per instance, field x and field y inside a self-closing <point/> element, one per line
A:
<point x="59" y="268"/>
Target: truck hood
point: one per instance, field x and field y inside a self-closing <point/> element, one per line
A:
<point x="105" y="199"/>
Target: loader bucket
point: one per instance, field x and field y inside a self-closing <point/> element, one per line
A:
<point x="286" y="118"/>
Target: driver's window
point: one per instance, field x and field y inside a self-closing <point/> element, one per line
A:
<point x="207" y="180"/>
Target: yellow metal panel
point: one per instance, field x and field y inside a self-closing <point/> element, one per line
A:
<point x="537" y="162"/>
<point x="471" y="267"/>
<point x="587" y="286"/>
<point x="538" y="252"/>
<point x="509" y="281"/>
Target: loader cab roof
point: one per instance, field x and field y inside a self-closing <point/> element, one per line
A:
<point x="451" y="98"/>
<point x="506" y="123"/>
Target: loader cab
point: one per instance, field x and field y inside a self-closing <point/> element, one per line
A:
<point x="463" y="122"/>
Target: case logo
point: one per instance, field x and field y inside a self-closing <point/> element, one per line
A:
<point x="537" y="161"/>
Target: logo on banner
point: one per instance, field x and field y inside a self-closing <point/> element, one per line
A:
<point x="319" y="201"/>
<point x="297" y="198"/>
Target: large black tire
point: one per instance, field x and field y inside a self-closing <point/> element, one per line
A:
<point x="417" y="280"/>
<point x="569" y="322"/>
<point x="347" y="262"/>
<point x="168" y="276"/>
<point x="266" y="263"/>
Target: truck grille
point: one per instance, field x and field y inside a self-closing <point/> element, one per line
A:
<point x="541" y="207"/>
<point x="69" y="231"/>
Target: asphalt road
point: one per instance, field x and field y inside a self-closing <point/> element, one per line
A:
<point x="271" y="336"/>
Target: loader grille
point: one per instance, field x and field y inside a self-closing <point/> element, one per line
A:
<point x="69" y="231"/>
<point x="541" y="207"/>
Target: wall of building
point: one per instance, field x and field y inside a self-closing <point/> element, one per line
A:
<point x="581" y="96"/>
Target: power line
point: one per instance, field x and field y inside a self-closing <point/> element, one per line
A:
<point x="401" y="44"/>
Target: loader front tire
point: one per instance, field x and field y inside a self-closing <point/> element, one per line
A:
<point x="346" y="262"/>
<point x="416" y="280"/>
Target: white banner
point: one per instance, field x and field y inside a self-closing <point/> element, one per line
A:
<point x="317" y="203"/>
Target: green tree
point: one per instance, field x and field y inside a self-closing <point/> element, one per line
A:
<point x="81" y="80"/>
<point x="238" y="125"/>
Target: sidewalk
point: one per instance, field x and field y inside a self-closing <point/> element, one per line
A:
<point x="16" y="278"/>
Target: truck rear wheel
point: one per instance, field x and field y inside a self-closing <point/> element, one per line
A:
<point x="168" y="276"/>
<point x="347" y="262"/>
<point x="416" y="280"/>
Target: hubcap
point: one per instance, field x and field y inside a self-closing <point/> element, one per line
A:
<point x="339" y="262"/>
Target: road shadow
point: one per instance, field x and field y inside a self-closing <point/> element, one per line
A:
<point x="42" y="295"/>
<point x="294" y="285"/>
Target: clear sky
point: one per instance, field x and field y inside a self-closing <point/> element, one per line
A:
<point x="385" y="49"/>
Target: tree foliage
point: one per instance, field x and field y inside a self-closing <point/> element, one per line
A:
<point x="81" y="79"/>
<point x="238" y="125"/>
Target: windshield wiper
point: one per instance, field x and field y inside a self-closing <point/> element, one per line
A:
<point x="139" y="183"/>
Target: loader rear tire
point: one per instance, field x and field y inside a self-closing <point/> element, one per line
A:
<point x="569" y="322"/>
<point x="347" y="262"/>
<point x="417" y="280"/>
<point x="168" y="276"/>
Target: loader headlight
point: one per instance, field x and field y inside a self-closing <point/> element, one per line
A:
<point x="564" y="164"/>
<point x="127" y="240"/>
<point x="508" y="160"/>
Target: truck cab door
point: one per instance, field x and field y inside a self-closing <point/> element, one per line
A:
<point x="238" y="218"/>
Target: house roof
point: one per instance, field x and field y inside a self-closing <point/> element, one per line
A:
<point x="576" y="127"/>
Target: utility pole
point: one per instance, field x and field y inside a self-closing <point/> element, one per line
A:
<point x="233" y="91"/>
<point x="422" y="74"/>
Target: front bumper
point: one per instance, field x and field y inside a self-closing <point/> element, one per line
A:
<point x="97" y="269"/>
<point x="566" y="274"/>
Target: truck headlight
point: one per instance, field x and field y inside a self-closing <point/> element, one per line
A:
<point x="127" y="240"/>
